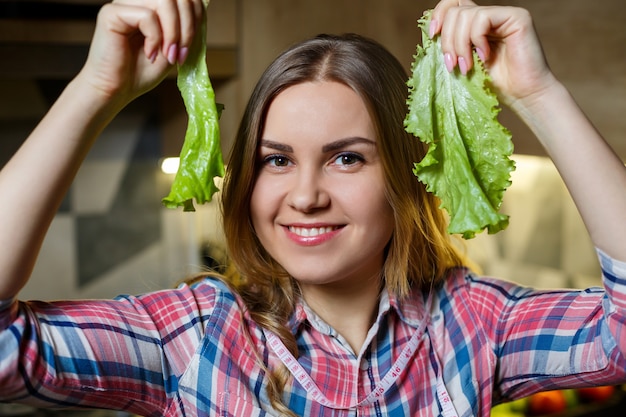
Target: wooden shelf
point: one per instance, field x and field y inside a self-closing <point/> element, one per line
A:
<point x="58" y="61"/>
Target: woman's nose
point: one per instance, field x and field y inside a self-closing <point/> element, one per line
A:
<point x="308" y="191"/>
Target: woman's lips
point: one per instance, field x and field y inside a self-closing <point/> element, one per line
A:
<point x="311" y="235"/>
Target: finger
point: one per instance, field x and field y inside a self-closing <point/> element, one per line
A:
<point x="448" y="28"/>
<point x="169" y="18"/>
<point x="465" y="29"/>
<point x="178" y="19"/>
<point x="480" y="32"/>
<point x="440" y="11"/>
<point x="126" y="20"/>
<point x="461" y="38"/>
<point x="477" y="27"/>
<point x="190" y="14"/>
<point x="495" y="24"/>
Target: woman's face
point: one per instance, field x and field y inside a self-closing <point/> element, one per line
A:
<point x="318" y="204"/>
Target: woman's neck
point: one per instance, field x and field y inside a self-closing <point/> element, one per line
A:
<point x="350" y="310"/>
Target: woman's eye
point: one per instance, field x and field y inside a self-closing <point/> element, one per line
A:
<point x="348" y="158"/>
<point x="276" y="160"/>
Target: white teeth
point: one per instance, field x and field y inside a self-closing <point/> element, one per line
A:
<point x="310" y="232"/>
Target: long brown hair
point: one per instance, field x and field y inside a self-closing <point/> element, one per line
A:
<point x="420" y="250"/>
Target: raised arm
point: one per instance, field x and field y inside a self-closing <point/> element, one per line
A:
<point x="135" y="44"/>
<point x="505" y="39"/>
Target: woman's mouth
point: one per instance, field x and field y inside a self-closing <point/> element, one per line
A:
<point x="311" y="231"/>
<point x="312" y="235"/>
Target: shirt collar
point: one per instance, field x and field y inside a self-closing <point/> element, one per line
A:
<point x="410" y="310"/>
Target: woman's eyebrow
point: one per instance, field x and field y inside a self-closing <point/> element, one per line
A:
<point x="342" y="143"/>
<point x="275" y="145"/>
<point x="329" y="147"/>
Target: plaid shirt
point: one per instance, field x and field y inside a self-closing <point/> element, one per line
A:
<point x="182" y="352"/>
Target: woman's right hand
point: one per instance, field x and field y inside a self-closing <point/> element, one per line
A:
<point x="136" y="43"/>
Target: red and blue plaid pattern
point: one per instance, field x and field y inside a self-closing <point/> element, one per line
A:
<point x="183" y="352"/>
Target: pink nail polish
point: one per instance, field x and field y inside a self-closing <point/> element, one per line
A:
<point x="432" y="27"/>
<point x="462" y="65"/>
<point x="481" y="54"/>
<point x="172" y="54"/>
<point x="153" y="56"/>
<point x="447" y="60"/>
<point x="182" y="55"/>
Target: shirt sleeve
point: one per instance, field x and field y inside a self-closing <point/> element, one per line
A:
<point x="562" y="339"/>
<point x="124" y="354"/>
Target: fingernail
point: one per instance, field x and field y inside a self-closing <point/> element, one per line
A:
<point x="447" y="59"/>
<point x="172" y="54"/>
<point x="462" y="65"/>
<point x="481" y="54"/>
<point x="432" y="27"/>
<point x="153" y="56"/>
<point x="182" y="55"/>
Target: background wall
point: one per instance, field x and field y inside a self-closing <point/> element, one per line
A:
<point x="584" y="41"/>
<point x="112" y="236"/>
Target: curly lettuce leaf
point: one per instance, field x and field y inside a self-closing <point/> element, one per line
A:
<point x="467" y="165"/>
<point x="201" y="155"/>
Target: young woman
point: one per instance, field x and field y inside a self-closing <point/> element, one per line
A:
<point x="349" y="298"/>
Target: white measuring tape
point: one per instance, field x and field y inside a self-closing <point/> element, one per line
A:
<point x="305" y="380"/>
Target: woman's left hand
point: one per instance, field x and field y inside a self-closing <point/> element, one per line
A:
<point x="503" y="37"/>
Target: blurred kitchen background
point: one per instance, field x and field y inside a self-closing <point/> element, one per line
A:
<point x="112" y="235"/>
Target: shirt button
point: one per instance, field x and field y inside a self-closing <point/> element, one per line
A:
<point x="365" y="365"/>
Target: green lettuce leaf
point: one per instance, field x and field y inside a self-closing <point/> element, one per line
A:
<point x="201" y="155"/>
<point x="467" y="165"/>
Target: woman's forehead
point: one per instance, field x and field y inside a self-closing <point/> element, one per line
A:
<point x="317" y="111"/>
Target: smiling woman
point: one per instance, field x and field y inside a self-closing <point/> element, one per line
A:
<point x="322" y="211"/>
<point x="345" y="294"/>
<point x="324" y="128"/>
